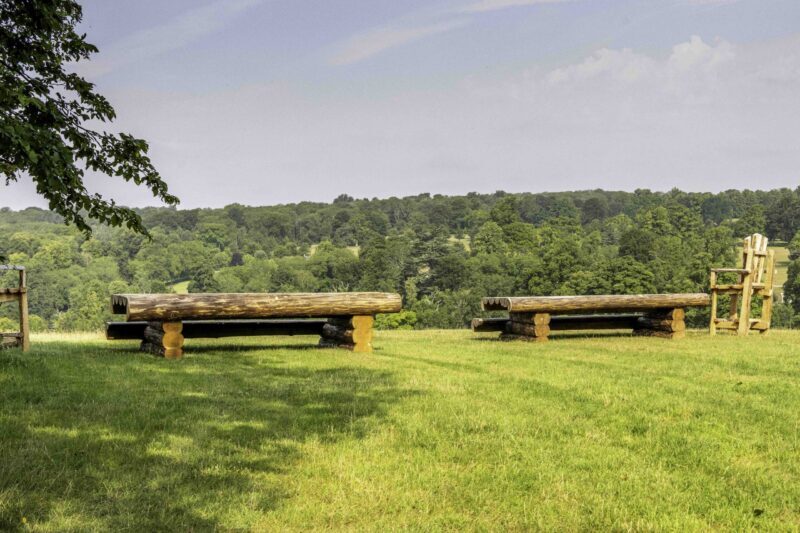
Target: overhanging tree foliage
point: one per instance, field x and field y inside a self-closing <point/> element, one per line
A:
<point x="45" y="110"/>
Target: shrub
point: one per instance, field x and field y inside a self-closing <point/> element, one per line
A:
<point x="783" y="316"/>
<point x="401" y="320"/>
<point x="7" y="325"/>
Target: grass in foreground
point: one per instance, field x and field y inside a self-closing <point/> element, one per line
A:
<point x="436" y="430"/>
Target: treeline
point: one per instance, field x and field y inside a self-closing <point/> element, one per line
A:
<point x="441" y="253"/>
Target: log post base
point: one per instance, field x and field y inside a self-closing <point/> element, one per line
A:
<point x="663" y="323"/>
<point x="531" y="327"/>
<point x="350" y="332"/>
<point x="164" y="339"/>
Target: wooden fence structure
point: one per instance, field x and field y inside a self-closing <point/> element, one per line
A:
<point x="754" y="279"/>
<point x="18" y="294"/>
<point x="164" y="321"/>
<point x="532" y="318"/>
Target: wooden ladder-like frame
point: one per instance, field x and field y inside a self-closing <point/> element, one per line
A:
<point x="755" y="279"/>
<point x="17" y="294"/>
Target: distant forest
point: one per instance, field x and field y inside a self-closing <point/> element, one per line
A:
<point x="441" y="253"/>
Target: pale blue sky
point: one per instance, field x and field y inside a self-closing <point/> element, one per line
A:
<point x="272" y="101"/>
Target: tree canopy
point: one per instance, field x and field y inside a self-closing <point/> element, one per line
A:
<point x="442" y="254"/>
<point x="45" y="110"/>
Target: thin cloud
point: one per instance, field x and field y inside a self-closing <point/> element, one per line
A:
<point x="175" y="34"/>
<point x="373" y="42"/>
<point x="709" y="2"/>
<point x="485" y="6"/>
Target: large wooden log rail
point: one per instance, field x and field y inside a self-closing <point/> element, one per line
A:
<point x="164" y="321"/>
<point x="532" y="318"/>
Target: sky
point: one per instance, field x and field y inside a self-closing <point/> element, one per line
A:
<point x="263" y="102"/>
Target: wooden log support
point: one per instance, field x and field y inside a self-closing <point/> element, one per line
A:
<point x="351" y="333"/>
<point x="164" y="339"/>
<point x="532" y="327"/>
<point x="539" y="319"/>
<point x="668" y="314"/>
<point x="651" y="315"/>
<point x="532" y="330"/>
<point x="664" y="323"/>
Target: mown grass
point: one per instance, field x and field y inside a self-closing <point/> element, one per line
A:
<point x="181" y="287"/>
<point x="781" y="268"/>
<point x="436" y="430"/>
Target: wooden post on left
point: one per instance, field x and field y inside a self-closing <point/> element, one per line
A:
<point x="24" y="328"/>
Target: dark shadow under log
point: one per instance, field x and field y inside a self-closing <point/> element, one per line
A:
<point x="215" y="329"/>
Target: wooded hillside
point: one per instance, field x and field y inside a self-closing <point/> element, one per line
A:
<point x="441" y="253"/>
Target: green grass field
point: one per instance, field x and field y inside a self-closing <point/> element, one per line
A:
<point x="181" y="287"/>
<point x="437" y="430"/>
<point x="781" y="268"/>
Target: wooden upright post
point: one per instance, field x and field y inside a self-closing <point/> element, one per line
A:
<point x="768" y="293"/>
<point x="712" y="324"/>
<point x="747" y="290"/>
<point x="24" y="328"/>
<point x="19" y="294"/>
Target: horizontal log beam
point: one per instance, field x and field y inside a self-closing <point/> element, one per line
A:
<point x="566" y="323"/>
<point x="488" y="325"/>
<point x="216" y="329"/>
<point x="15" y="290"/>
<point x="603" y="303"/>
<point x="10" y="340"/>
<point x="169" y="307"/>
<point x="590" y="322"/>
